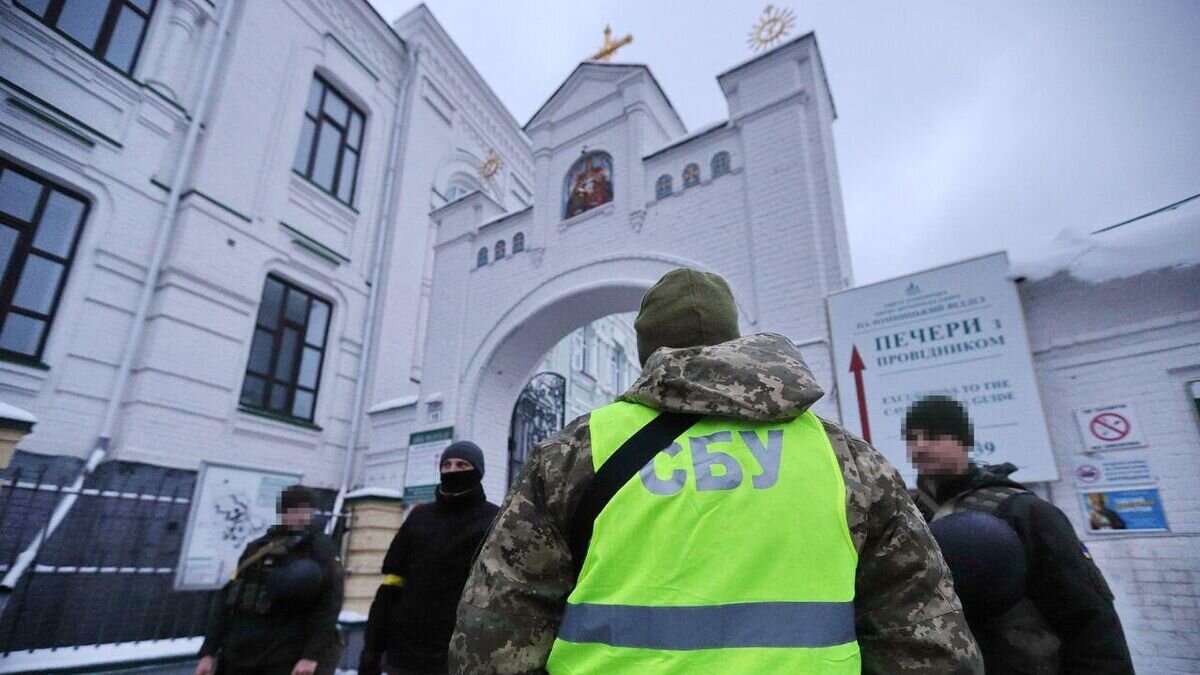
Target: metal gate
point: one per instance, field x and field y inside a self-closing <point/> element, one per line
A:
<point x="539" y="412"/>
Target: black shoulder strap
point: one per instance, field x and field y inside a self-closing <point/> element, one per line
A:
<point x="633" y="454"/>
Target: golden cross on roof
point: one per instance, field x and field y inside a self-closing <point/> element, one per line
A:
<point x="610" y="46"/>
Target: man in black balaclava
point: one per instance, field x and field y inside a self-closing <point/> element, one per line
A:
<point x="425" y="570"/>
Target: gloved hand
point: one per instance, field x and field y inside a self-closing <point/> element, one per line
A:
<point x="369" y="663"/>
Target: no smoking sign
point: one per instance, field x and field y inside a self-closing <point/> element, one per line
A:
<point x="1109" y="427"/>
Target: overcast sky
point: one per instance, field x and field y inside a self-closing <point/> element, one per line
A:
<point x="962" y="128"/>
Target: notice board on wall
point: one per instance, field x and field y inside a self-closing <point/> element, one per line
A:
<point x="231" y="507"/>
<point x="958" y="331"/>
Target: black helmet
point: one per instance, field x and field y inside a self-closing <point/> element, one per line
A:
<point x="297" y="580"/>
<point x="986" y="558"/>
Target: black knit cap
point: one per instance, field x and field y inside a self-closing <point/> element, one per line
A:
<point x="465" y="450"/>
<point x="295" y="497"/>
<point x="939" y="416"/>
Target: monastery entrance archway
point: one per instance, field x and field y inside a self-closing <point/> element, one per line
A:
<point x="622" y="195"/>
<point x="503" y="362"/>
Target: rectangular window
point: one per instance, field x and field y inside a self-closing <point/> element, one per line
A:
<point x="617" y="368"/>
<point x="577" y="350"/>
<point x="40" y="224"/>
<point x="284" y="369"/>
<point x="589" y="351"/>
<point x="330" y="141"/>
<point x="112" y="30"/>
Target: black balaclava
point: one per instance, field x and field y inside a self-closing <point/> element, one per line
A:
<point x="462" y="481"/>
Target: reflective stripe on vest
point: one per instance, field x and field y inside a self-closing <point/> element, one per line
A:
<point x="729" y="552"/>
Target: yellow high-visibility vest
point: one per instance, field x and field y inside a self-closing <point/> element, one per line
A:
<point x="728" y="553"/>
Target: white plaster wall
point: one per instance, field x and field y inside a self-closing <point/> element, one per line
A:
<point x="493" y="325"/>
<point x="1133" y="340"/>
<point x="181" y="405"/>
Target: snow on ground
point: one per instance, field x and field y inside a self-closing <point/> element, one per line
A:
<point x="1169" y="239"/>
<point x="99" y="655"/>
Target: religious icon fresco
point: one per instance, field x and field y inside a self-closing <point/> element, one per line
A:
<point x="588" y="184"/>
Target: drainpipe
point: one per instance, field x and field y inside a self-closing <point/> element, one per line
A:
<point x="133" y="344"/>
<point x="391" y="176"/>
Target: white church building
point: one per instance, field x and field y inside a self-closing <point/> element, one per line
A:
<point x="285" y="240"/>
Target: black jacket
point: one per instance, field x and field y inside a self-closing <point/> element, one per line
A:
<point x="284" y="631"/>
<point x="1063" y="582"/>
<point x="433" y="551"/>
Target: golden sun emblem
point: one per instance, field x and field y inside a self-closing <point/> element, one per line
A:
<point x="491" y="165"/>
<point x="772" y="27"/>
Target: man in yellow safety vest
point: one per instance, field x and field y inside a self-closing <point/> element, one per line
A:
<point x="708" y="522"/>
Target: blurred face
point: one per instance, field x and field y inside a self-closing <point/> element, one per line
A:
<point x="455" y="465"/>
<point x="296" y="518"/>
<point x="936" y="455"/>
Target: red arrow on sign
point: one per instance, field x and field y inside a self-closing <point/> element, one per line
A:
<point x="856" y="367"/>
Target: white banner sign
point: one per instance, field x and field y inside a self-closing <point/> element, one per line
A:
<point x="231" y="507"/>
<point x="1092" y="471"/>
<point x="958" y="331"/>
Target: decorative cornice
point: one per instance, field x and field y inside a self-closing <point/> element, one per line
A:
<point x="515" y="153"/>
<point x="372" y="46"/>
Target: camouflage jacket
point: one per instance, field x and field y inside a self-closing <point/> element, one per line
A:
<point x="908" y="618"/>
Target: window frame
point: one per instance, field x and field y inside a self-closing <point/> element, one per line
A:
<point x="107" y="26"/>
<point x="481" y="257"/>
<point x="10" y="275"/>
<point x="320" y="123"/>
<point x="616" y="367"/>
<point x="501" y="250"/>
<point x="578" y="351"/>
<point x="694" y="183"/>
<point x="664" y="186"/>
<point x="726" y="163"/>
<point x="518" y="243"/>
<point x="270" y="379"/>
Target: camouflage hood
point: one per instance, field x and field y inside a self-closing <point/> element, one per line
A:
<point x="758" y="377"/>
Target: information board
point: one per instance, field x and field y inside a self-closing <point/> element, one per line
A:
<point x="423" y="471"/>
<point x="231" y="506"/>
<point x="958" y="331"/>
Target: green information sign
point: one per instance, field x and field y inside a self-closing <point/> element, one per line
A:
<point x="423" y="473"/>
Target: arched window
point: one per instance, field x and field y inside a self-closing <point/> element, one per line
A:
<point x="662" y="186"/>
<point x="588" y="184"/>
<point x="720" y="164"/>
<point x="518" y="242"/>
<point x="500" y="246"/>
<point x="691" y="175"/>
<point x="481" y="257"/>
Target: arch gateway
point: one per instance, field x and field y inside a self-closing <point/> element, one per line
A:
<point x="623" y="194"/>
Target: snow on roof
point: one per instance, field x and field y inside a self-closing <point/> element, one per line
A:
<point x="12" y="412"/>
<point x="392" y="404"/>
<point x="1163" y="240"/>
<point x="385" y="493"/>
